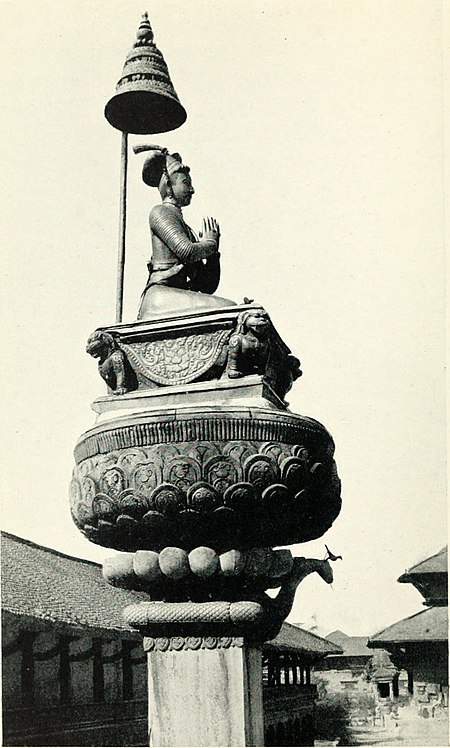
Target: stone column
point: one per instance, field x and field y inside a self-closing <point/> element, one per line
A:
<point x="204" y="691"/>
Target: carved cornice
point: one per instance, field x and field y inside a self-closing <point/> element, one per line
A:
<point x="237" y="425"/>
<point x="220" y="612"/>
<point x="232" y="343"/>
<point x="179" y="643"/>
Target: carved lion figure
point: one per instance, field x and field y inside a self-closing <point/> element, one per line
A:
<point x="111" y="360"/>
<point x="248" y="348"/>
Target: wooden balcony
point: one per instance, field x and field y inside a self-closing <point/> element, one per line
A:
<point x="289" y="714"/>
<point x="121" y="723"/>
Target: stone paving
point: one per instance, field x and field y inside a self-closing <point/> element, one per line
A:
<point x="407" y="730"/>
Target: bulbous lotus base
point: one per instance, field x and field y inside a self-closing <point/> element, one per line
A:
<point x="221" y="477"/>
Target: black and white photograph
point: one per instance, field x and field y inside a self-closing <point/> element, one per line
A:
<point x="223" y="317"/>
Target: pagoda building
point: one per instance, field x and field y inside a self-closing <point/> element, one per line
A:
<point x="419" y="643"/>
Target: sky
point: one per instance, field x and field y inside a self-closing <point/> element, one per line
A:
<point x="315" y="136"/>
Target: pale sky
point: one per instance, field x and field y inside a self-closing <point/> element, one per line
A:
<point x="315" y="137"/>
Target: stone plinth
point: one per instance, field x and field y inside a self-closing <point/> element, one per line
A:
<point x="204" y="691"/>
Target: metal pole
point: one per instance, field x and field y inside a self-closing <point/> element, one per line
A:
<point x="122" y="226"/>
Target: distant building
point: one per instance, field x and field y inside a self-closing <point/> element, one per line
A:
<point x="75" y="674"/>
<point x="346" y="672"/>
<point x="358" y="670"/>
<point x="289" y="694"/>
<point x="419" y="643"/>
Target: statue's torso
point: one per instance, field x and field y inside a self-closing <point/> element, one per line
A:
<point x="165" y="221"/>
<point x="181" y="266"/>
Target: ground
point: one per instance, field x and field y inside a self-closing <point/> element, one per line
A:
<point x="409" y="731"/>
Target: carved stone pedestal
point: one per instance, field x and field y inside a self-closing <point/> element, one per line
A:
<point x="204" y="691"/>
<point x="197" y="469"/>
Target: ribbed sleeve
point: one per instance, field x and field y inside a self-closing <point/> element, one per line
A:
<point x="169" y="227"/>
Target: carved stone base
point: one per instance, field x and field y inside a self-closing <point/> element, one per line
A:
<point x="220" y="476"/>
<point x="204" y="691"/>
<point x="221" y="344"/>
<point x="196" y="467"/>
<point x="194" y="445"/>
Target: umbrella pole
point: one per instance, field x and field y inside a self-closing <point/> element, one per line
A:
<point x="122" y="226"/>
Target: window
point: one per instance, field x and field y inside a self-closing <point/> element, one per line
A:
<point x="349" y="685"/>
<point x="383" y="690"/>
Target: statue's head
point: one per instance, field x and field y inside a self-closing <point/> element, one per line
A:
<point x="167" y="172"/>
<point x="180" y="187"/>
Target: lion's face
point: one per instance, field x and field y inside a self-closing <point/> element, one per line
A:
<point x="99" y="344"/>
<point x="258" y="322"/>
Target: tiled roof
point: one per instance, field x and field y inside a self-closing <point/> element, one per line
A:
<point x="337" y="636"/>
<point x="381" y="665"/>
<point x="427" y="626"/>
<point x="351" y="646"/>
<point x="45" y="585"/>
<point x="294" y="639"/>
<point x="437" y="564"/>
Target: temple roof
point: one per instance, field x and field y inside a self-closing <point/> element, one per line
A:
<point x="294" y="639"/>
<point x="46" y="586"/>
<point x="381" y="665"/>
<point x="351" y="646"/>
<point x="427" y="626"/>
<point x="437" y="564"/>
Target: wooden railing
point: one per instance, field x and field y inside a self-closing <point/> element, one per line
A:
<point x="289" y="715"/>
<point x="121" y="723"/>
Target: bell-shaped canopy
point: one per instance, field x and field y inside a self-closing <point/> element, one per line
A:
<point x="145" y="101"/>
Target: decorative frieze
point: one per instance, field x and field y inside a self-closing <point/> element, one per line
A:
<point x="178" y="643"/>
<point x="177" y="360"/>
<point x="220" y="425"/>
<point x="238" y="344"/>
<point x="219" y="494"/>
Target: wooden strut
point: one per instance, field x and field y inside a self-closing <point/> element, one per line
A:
<point x="122" y="226"/>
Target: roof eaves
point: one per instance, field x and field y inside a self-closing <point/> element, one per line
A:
<point x="50" y="551"/>
<point x="375" y="641"/>
<point x="413" y="570"/>
<point x="68" y="627"/>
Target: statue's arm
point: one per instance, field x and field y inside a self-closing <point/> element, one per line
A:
<point x="166" y="224"/>
<point x="205" y="277"/>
